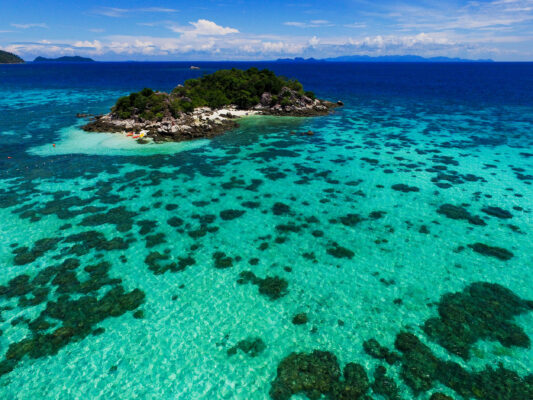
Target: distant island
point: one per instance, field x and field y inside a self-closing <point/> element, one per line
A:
<point x="10" y="58"/>
<point x="207" y="106"/>
<point x="393" y="58"/>
<point x="66" y="59"/>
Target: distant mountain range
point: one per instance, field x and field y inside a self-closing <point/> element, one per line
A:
<point x="359" y="58"/>
<point x="10" y="58"/>
<point x="73" y="59"/>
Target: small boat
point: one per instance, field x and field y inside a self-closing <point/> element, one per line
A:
<point x="194" y="67"/>
<point x="130" y="133"/>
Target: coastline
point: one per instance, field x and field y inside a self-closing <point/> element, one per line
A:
<point x="203" y="122"/>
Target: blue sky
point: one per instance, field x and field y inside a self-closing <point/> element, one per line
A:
<point x="252" y="30"/>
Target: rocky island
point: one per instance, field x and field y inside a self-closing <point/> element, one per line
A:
<point x="208" y="106"/>
<point x="65" y="59"/>
<point x="10" y="58"/>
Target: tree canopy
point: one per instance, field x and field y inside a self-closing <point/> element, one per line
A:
<point x="222" y="88"/>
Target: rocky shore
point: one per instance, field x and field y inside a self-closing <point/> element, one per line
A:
<point x="205" y="122"/>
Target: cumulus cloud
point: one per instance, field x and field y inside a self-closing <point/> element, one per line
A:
<point x="204" y="27"/>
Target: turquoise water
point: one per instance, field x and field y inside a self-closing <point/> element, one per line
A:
<point x="298" y="198"/>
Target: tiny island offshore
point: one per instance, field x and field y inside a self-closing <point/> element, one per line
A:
<point x="208" y="106"/>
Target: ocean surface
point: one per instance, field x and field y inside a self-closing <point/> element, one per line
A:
<point x="175" y="271"/>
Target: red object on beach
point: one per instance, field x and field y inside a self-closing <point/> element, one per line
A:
<point x="135" y="136"/>
<point x="129" y="134"/>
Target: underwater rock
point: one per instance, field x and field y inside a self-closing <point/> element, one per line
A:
<point x="272" y="287"/>
<point x="89" y="240"/>
<point x="154" y="260"/>
<point x="482" y="311"/>
<point x="338" y="251"/>
<point x="118" y="216"/>
<point x="228" y="215"/>
<point x="419" y="365"/>
<point x="355" y="383"/>
<point x="492" y="251"/>
<point x="221" y="260"/>
<point x="374" y="349"/>
<point x="377" y="214"/>
<point x="78" y="318"/>
<point x="318" y="374"/>
<point x="147" y="226"/>
<point x="351" y="219"/>
<point x="400" y="187"/>
<point x="497" y="212"/>
<point x="280" y="209"/>
<point x="155" y="240"/>
<point x="385" y="386"/>
<point x="250" y="346"/>
<point x="440" y="396"/>
<point x="24" y="255"/>
<point x="299" y="319"/>
<point x="312" y="374"/>
<point x="456" y="212"/>
<point x="175" y="222"/>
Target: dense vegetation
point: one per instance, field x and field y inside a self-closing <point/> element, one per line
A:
<point x="9" y="58"/>
<point x="241" y="88"/>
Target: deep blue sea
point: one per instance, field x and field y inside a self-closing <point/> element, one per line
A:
<point x="394" y="242"/>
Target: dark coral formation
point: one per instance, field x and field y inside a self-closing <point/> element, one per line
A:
<point x="251" y="346"/>
<point x="228" y="215"/>
<point x="384" y="385"/>
<point x="337" y="251"/>
<point x="492" y="251"/>
<point x="421" y="369"/>
<point x="221" y="260"/>
<point x="25" y="255"/>
<point x="351" y="219"/>
<point x="457" y="212"/>
<point x="440" y="396"/>
<point x="318" y="374"/>
<point x="374" y="349"/>
<point x="300" y="319"/>
<point x="482" y="311"/>
<point x="73" y="315"/>
<point x="118" y="216"/>
<point x="497" y="212"/>
<point x="273" y="287"/>
<point x="401" y="187"/>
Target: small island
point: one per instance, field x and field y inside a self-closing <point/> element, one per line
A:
<point x="208" y="106"/>
<point x="65" y="59"/>
<point x="10" y="58"/>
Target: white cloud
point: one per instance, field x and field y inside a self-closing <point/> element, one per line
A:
<point x="28" y="26"/>
<point x="203" y="27"/>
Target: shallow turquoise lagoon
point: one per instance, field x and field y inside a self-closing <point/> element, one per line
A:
<point x="122" y="264"/>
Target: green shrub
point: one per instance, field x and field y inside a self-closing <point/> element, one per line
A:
<point x="286" y="102"/>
